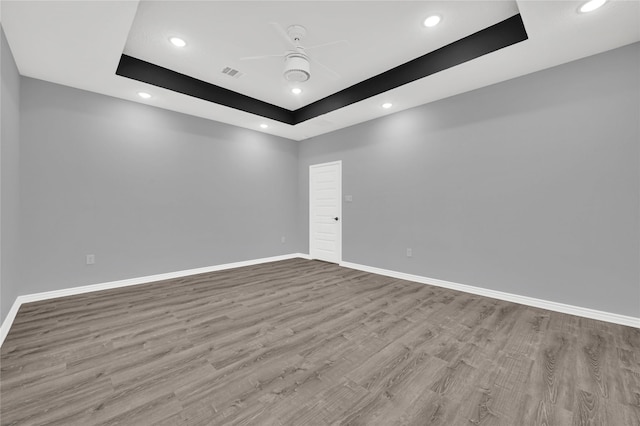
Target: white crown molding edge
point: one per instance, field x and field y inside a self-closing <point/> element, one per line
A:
<point x="509" y="297"/>
<point x="35" y="297"/>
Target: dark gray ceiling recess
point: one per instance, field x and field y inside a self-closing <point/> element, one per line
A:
<point x="493" y="38"/>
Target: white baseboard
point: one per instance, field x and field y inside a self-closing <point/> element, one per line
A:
<point x="523" y="300"/>
<point x="8" y="321"/>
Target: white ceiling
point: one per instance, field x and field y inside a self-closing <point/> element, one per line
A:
<point x="79" y="44"/>
<point x="373" y="40"/>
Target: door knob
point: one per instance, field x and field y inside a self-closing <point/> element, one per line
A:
<point x="335" y="218"/>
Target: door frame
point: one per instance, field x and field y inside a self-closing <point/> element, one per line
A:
<point x="339" y="231"/>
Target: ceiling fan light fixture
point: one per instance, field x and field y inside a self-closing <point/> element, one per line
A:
<point x="432" y="21"/>
<point x="591" y="5"/>
<point x="296" y="68"/>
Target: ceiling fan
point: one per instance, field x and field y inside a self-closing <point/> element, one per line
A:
<point x="297" y="63"/>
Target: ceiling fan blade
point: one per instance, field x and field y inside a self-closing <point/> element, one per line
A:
<point x="331" y="43"/>
<point x="251" y="58"/>
<point x="283" y="34"/>
<point x="329" y="70"/>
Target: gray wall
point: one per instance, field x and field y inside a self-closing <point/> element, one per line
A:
<point x="530" y="186"/>
<point x="144" y="189"/>
<point x="9" y="177"/>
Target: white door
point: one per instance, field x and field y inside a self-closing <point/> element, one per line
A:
<point x="325" y="211"/>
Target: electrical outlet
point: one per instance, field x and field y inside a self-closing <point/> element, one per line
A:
<point x="409" y="252"/>
<point x="283" y="240"/>
<point x="91" y="259"/>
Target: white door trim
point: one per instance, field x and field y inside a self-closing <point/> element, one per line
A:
<point x="339" y="206"/>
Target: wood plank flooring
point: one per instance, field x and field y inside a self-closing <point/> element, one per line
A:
<point x="302" y="342"/>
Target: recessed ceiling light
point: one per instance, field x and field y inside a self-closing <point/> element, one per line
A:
<point x="296" y="90"/>
<point x="387" y="105"/>
<point x="592" y="5"/>
<point x="144" y="95"/>
<point x="178" y="42"/>
<point x="264" y="126"/>
<point x="432" y="21"/>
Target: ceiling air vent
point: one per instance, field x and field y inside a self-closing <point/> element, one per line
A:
<point x="231" y="72"/>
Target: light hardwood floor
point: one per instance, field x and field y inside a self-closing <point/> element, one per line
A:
<point x="303" y="342"/>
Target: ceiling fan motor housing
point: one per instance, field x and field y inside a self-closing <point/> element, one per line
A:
<point x="297" y="68"/>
